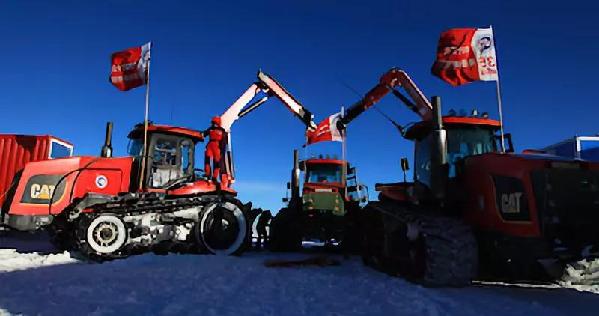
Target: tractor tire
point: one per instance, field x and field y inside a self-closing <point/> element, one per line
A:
<point x="222" y="229"/>
<point x="285" y="231"/>
<point x="351" y="243"/>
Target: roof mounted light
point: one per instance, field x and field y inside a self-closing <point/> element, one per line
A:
<point x="474" y="113"/>
<point x="485" y="115"/>
<point x="451" y="112"/>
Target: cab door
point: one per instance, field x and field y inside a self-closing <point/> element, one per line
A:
<point x="170" y="158"/>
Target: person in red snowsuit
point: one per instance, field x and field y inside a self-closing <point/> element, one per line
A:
<point x="214" y="148"/>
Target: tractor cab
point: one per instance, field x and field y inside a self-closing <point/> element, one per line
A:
<point x="318" y="208"/>
<point x="465" y="137"/>
<point x="328" y="175"/>
<point x="323" y="174"/>
<point x="171" y="154"/>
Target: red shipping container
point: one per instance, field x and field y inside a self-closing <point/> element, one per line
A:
<point x="18" y="150"/>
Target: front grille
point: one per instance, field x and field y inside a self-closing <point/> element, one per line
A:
<point x="568" y="205"/>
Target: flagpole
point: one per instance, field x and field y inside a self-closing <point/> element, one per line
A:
<point x="498" y="93"/>
<point x="146" y="117"/>
<point x="500" y="108"/>
<point x="343" y="155"/>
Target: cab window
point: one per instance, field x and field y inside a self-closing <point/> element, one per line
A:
<point x="422" y="161"/>
<point x="323" y="173"/>
<point x="60" y="150"/>
<point x="171" y="159"/>
<point x="462" y="143"/>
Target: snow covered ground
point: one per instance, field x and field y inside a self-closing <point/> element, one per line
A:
<point x="55" y="284"/>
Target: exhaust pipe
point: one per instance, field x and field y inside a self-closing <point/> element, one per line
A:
<point x="438" y="152"/>
<point x="295" y="174"/>
<point x="107" y="147"/>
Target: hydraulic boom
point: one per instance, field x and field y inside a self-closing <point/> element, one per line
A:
<point x="244" y="105"/>
<point x="392" y="79"/>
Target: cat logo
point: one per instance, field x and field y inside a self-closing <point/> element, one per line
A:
<point x="510" y="202"/>
<point x="42" y="191"/>
<point x="41" y="188"/>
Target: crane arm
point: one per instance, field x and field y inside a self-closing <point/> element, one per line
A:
<point x="244" y="105"/>
<point x="391" y="80"/>
<point x="270" y="87"/>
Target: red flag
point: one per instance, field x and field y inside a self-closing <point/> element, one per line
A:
<point x="466" y="55"/>
<point x="130" y="67"/>
<point x="326" y="131"/>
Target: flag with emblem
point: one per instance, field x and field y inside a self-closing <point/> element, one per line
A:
<point x="130" y="67"/>
<point x="465" y="55"/>
<point x="326" y="131"/>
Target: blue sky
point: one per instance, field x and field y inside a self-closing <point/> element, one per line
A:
<point x="55" y="67"/>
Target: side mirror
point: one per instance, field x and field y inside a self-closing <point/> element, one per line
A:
<point x="351" y="170"/>
<point x="510" y="144"/>
<point x="302" y="166"/>
<point x="288" y="185"/>
<point x="405" y="165"/>
<point x="508" y="139"/>
<point x="285" y="200"/>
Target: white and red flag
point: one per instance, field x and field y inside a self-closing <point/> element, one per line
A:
<point x="465" y="55"/>
<point x="130" y="67"/>
<point x="326" y="131"/>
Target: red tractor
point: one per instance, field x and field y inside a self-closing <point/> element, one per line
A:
<point x="474" y="210"/>
<point x="95" y="204"/>
<point x="109" y="207"/>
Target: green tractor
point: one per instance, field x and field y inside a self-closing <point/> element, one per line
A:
<point x="324" y="197"/>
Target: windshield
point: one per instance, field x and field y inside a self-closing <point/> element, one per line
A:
<point x="323" y="173"/>
<point x="462" y="142"/>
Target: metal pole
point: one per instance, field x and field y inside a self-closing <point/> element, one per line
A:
<point x="498" y="88"/>
<point x="498" y="91"/>
<point x="344" y="155"/>
<point x="146" y="116"/>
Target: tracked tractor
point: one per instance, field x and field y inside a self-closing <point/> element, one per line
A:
<point x="96" y="205"/>
<point x="324" y="197"/>
<point x="474" y="210"/>
<point x="152" y="199"/>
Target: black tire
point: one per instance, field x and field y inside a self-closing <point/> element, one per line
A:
<point x="286" y="231"/>
<point x="351" y="243"/>
<point x="372" y="239"/>
<point x="211" y="236"/>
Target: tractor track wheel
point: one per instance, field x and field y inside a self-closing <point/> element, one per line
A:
<point x="440" y="251"/>
<point x="286" y="231"/>
<point x="101" y="237"/>
<point x="372" y="240"/>
<point x="450" y="253"/>
<point x="351" y="243"/>
<point x="222" y="228"/>
<point x="61" y="234"/>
